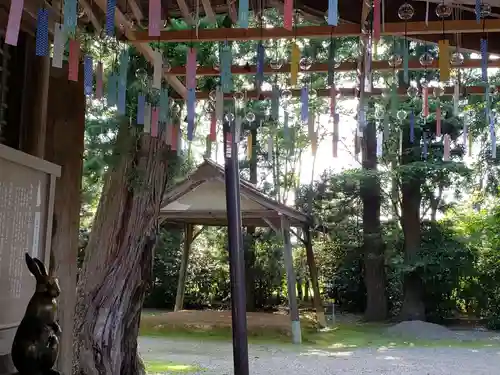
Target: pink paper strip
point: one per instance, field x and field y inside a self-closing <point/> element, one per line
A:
<point x="191" y="69"/>
<point x="376" y="20"/>
<point x="154" y="18"/>
<point x="333" y="100"/>
<point x="438" y="121"/>
<point x="288" y="15"/>
<point x="98" y="81"/>
<point x="14" y="22"/>
<point x="154" y="122"/>
<point x="74" y="60"/>
<point x="425" y="99"/>
<point x="232" y="12"/>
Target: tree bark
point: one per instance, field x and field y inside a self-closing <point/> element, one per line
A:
<point x="117" y="266"/>
<point x="374" y="251"/>
<point x="413" y="307"/>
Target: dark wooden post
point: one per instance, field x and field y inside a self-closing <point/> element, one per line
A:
<point x="313" y="270"/>
<point x="64" y="146"/>
<point x="290" y="273"/>
<point x="181" y="286"/>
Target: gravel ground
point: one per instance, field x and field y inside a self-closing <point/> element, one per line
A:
<point x="216" y="359"/>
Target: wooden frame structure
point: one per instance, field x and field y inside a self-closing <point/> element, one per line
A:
<point x="186" y="204"/>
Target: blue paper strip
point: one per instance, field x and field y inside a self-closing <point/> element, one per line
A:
<point x="484" y="59"/>
<point x="88" y="75"/>
<point x="141" y="105"/>
<point x="333" y="11"/>
<point x="304" y="99"/>
<point x="70" y="16"/>
<point x="42" y="32"/>
<point x="243" y="14"/>
<point x="191" y="99"/>
<point x="412" y="127"/>
<point x="112" y="90"/>
<point x="110" y="17"/>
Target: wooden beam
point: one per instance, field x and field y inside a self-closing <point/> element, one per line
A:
<point x="323" y="68"/>
<point x="345" y="92"/>
<point x="209" y="11"/>
<point x="343" y="30"/>
<point x="136" y="10"/>
<point x="90" y="13"/>
<point x="143" y="47"/>
<point x="186" y="14"/>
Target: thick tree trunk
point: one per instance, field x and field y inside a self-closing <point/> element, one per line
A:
<point x="413" y="307"/>
<point x="117" y="265"/>
<point x="300" y="294"/>
<point x="250" y="248"/>
<point x="374" y="257"/>
<point x="306" y="290"/>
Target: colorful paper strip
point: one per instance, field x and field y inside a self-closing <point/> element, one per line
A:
<point x="304" y="99"/>
<point x="154" y="28"/>
<point x="444" y="60"/>
<point x="70" y="16"/>
<point x="74" y="60"/>
<point x="191" y="100"/>
<point x="110" y="17"/>
<point x="243" y="14"/>
<point x="147" y="118"/>
<point x="88" y="75"/>
<point x="288" y="15"/>
<point x="191" y="69"/>
<point x="294" y="64"/>
<point x="141" y="104"/>
<point x="42" y="33"/>
<point x="154" y="122"/>
<point x="333" y="12"/>
<point x="59" y="43"/>
<point x="438" y="121"/>
<point x="14" y="22"/>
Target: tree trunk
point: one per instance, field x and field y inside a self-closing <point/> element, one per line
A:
<point x="413" y="307"/>
<point x="300" y="294"/>
<point x="250" y="248"/>
<point x="306" y="290"/>
<point x="374" y="257"/>
<point x="117" y="266"/>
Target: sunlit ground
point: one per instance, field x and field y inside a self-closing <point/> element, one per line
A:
<point x="342" y="337"/>
<point x="158" y="367"/>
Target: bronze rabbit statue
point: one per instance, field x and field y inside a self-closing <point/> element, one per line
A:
<point x="36" y="343"/>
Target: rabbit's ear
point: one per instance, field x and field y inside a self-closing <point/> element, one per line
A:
<point x="41" y="266"/>
<point x="33" y="266"/>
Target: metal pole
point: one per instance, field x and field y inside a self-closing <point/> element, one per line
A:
<point x="236" y="255"/>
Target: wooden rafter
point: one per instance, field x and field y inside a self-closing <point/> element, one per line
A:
<point x="92" y="17"/>
<point x="345" y="92"/>
<point x="143" y="48"/>
<point x="209" y="11"/>
<point x="396" y="28"/>
<point x="136" y="10"/>
<point x="323" y="68"/>
<point x="186" y="14"/>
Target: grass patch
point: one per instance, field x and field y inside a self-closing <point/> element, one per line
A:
<point x="341" y="337"/>
<point x="157" y="367"/>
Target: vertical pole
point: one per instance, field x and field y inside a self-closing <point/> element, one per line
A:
<point x="236" y="256"/>
<point x="290" y="275"/>
<point x="181" y="285"/>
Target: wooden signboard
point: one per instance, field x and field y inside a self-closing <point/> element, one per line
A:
<point x="27" y="186"/>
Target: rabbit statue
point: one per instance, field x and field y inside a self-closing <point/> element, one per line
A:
<point x="36" y="343"/>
